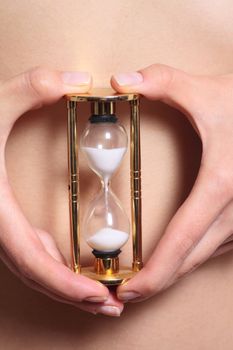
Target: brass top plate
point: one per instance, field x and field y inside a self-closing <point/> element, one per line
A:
<point x="101" y="94"/>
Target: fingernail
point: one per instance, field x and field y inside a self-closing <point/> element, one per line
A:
<point x="99" y="299"/>
<point x="109" y="310"/>
<point x="76" y="78"/>
<point x="133" y="78"/>
<point x="127" y="296"/>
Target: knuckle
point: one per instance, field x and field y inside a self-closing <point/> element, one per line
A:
<point x="26" y="265"/>
<point x="25" y="270"/>
<point x="183" y="273"/>
<point x="36" y="82"/>
<point x="226" y="218"/>
<point x="150" y="286"/>
<point x="165" y="75"/>
<point x="184" y="244"/>
<point x="187" y="270"/>
<point x="224" y="180"/>
<point x="31" y="262"/>
<point x="221" y="184"/>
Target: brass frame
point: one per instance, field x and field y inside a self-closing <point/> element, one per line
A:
<point x="105" y="95"/>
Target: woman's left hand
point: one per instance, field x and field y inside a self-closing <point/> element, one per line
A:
<point x="203" y="225"/>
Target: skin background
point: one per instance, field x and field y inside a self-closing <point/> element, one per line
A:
<point x="104" y="38"/>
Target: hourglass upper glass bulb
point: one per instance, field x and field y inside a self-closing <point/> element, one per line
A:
<point x="104" y="143"/>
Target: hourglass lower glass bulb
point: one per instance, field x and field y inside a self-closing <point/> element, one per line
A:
<point x="106" y="224"/>
<point x="104" y="142"/>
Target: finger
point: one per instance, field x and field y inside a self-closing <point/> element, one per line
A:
<point x="27" y="252"/>
<point x="35" y="88"/>
<point x="50" y="245"/>
<point x="172" y="86"/>
<point x="111" y="307"/>
<point x="183" y="233"/>
<point x="27" y="282"/>
<point x="218" y="234"/>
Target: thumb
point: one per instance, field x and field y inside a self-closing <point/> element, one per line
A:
<point x="172" y="86"/>
<point x="35" y="88"/>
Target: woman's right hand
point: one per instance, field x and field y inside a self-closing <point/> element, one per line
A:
<point x="31" y="253"/>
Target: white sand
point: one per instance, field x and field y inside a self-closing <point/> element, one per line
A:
<point x="108" y="239"/>
<point x="105" y="160"/>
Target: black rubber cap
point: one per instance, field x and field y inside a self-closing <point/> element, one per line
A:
<point x="105" y="118"/>
<point x="105" y="255"/>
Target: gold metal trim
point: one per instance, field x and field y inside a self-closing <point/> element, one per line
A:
<point x="114" y="277"/>
<point x="101" y="94"/>
<point x="135" y="179"/>
<point x="124" y="274"/>
<point x="106" y="266"/>
<point x="73" y="185"/>
<point x="103" y="107"/>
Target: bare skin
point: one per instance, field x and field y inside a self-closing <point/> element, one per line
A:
<point x="181" y="249"/>
<point x="202" y="227"/>
<point x="34" y="89"/>
<point x="195" y="37"/>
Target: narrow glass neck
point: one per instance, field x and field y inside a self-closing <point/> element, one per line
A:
<point x="105" y="183"/>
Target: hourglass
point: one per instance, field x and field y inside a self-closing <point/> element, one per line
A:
<point x="105" y="226"/>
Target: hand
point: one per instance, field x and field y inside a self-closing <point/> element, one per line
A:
<point x="203" y="225"/>
<point x="31" y="253"/>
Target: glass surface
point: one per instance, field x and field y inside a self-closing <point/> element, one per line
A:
<point x="106" y="226"/>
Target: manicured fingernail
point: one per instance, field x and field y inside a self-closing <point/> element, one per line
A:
<point x="109" y="310"/>
<point x="96" y="299"/>
<point x="128" y="296"/>
<point x="133" y="78"/>
<point x="76" y="78"/>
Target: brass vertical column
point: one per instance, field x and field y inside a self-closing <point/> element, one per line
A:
<point x="73" y="184"/>
<point x="135" y="179"/>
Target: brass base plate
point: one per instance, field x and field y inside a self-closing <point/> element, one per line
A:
<point x="124" y="274"/>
